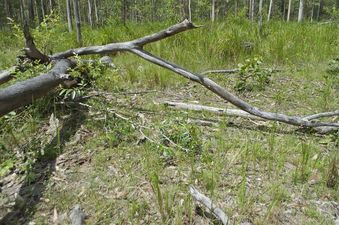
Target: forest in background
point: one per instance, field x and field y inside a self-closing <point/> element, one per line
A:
<point x="98" y="12"/>
<point x="117" y="144"/>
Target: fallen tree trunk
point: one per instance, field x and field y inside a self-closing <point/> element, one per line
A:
<point x="25" y="92"/>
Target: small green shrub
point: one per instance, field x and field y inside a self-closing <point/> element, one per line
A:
<point x="252" y="76"/>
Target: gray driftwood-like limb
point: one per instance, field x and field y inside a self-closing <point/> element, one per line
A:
<point x="208" y="204"/>
<point x="77" y="215"/>
<point x="23" y="93"/>
<point x="7" y="75"/>
<point x="228" y="96"/>
<point x="195" y="107"/>
<point x="230" y="71"/>
<point x="322" y="115"/>
<point x="126" y="46"/>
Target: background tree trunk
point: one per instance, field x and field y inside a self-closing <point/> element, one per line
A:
<point x="31" y="11"/>
<point x="289" y="10"/>
<point x="96" y="12"/>
<point x="77" y="20"/>
<point x="301" y="10"/>
<point x="270" y="10"/>
<point x="260" y="14"/>
<point x="69" y="15"/>
<point x="213" y="11"/>
<point x="90" y="13"/>
<point x="189" y="10"/>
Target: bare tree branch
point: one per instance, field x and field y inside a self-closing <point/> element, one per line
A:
<point x="230" y="71"/>
<point x="211" y="208"/>
<point x="321" y="115"/>
<point x="136" y="46"/>
<point x="223" y="93"/>
<point x="125" y="46"/>
<point x="228" y="112"/>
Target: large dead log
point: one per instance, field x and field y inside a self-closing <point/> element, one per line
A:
<point x="25" y="92"/>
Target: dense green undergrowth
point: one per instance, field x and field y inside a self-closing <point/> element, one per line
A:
<point x="131" y="159"/>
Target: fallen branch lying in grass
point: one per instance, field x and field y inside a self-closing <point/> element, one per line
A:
<point x="136" y="47"/>
<point x="195" y="107"/>
<point x="210" y="207"/>
<point x="230" y="71"/>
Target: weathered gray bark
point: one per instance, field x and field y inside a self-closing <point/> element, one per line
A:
<point x="77" y="20"/>
<point x="227" y="112"/>
<point x="25" y="92"/>
<point x="209" y="206"/>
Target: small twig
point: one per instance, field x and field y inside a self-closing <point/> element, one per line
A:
<point x="231" y="71"/>
<point x="211" y="208"/>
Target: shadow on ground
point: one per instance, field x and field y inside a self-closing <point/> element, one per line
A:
<point x="31" y="192"/>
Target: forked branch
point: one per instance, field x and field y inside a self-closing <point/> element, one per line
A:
<point x="136" y="47"/>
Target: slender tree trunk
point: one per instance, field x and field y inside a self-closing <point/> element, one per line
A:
<point x="282" y="9"/>
<point x="236" y="7"/>
<point x="213" y="11"/>
<point x="312" y="12"/>
<point x="31" y="11"/>
<point x="42" y="8"/>
<point x="7" y="9"/>
<point x="96" y="12"/>
<point x="270" y="10"/>
<point x="37" y="10"/>
<point x="289" y="10"/>
<point x="90" y="13"/>
<point x="260" y="14"/>
<point x="22" y="11"/>
<point x="320" y="8"/>
<point x="189" y="10"/>
<point x="301" y="10"/>
<point x="124" y="12"/>
<point x="252" y="9"/>
<point x="50" y="6"/>
<point x="77" y="20"/>
<point x="69" y="15"/>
